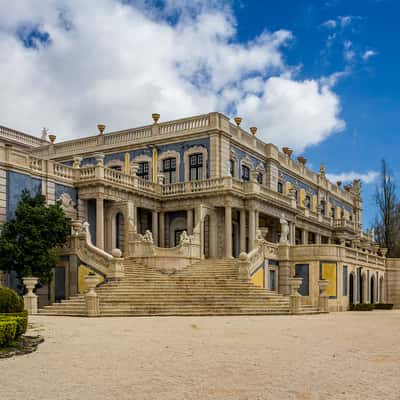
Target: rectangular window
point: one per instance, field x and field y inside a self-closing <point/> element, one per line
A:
<point x="307" y="202"/>
<point x="245" y="173"/>
<point x="143" y="170"/>
<point x="280" y="187"/>
<point x="272" y="280"/>
<point x="196" y="167"/>
<point x="232" y="167"/>
<point x="260" y="178"/>
<point x="169" y="170"/>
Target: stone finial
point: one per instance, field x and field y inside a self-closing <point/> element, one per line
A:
<point x="155" y="117"/>
<point x="101" y="128"/>
<point x="238" y="120"/>
<point x="322" y="170"/>
<point x="253" y="130"/>
<point x="339" y="183"/>
<point x="44" y="133"/>
<point x="287" y="151"/>
<point x="347" y="188"/>
<point x="302" y="160"/>
<point x="76" y="162"/>
<point x="99" y="159"/>
<point x="52" y="138"/>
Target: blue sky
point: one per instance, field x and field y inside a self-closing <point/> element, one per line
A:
<point x="369" y="94"/>
<point x="318" y="76"/>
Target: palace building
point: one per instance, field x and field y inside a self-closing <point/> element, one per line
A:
<point x="195" y="216"/>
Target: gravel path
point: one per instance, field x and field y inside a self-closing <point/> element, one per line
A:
<point x="335" y="356"/>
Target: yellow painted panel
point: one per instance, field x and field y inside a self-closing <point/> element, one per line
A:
<point x="127" y="162"/>
<point x="82" y="272"/>
<point x="302" y="197"/>
<point x="346" y="215"/>
<point x="315" y="203"/>
<point x="338" y="212"/>
<point x="258" y="278"/>
<point x="288" y="187"/>
<point x="329" y="273"/>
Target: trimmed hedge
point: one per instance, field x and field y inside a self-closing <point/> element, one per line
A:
<point x="8" y="329"/>
<point x="361" y="307"/>
<point x="20" y="318"/>
<point x="383" y="306"/>
<point x="10" y="301"/>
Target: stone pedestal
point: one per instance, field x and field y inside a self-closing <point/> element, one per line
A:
<point x="295" y="297"/>
<point x="91" y="298"/>
<point x="323" y="297"/>
<point x="244" y="266"/>
<point x="30" y="299"/>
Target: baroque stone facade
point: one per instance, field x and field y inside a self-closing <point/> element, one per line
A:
<point x="202" y="187"/>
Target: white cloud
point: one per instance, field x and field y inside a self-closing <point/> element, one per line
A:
<point x="348" y="52"/>
<point x="330" y="23"/>
<point x="117" y="63"/>
<point x="368" y="54"/>
<point x="367" y="178"/>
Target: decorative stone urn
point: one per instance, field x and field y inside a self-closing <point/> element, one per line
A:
<point x="91" y="299"/>
<point x="91" y="282"/>
<point x="295" y="284"/>
<point x="295" y="297"/>
<point x="323" y="297"/>
<point x="30" y="299"/>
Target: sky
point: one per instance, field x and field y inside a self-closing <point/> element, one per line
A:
<point x="318" y="76"/>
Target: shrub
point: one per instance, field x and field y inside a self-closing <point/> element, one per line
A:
<point x="10" y="301"/>
<point x="8" y="330"/>
<point x="383" y="306"/>
<point x="21" y="319"/>
<point x="361" y="307"/>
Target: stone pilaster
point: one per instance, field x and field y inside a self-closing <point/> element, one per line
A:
<point x="100" y="222"/>
<point x="3" y="196"/>
<point x="228" y="231"/>
<point x="243" y="230"/>
<point x="154" y="227"/>
<point x="214" y="156"/>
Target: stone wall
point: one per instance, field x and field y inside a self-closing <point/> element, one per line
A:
<point x="393" y="281"/>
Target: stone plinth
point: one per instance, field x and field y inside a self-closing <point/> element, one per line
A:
<point x="91" y="298"/>
<point x="30" y="299"/>
<point x="323" y="297"/>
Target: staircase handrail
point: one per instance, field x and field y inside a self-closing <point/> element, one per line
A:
<point x="110" y="265"/>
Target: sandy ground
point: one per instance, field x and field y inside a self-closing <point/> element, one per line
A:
<point x="335" y="356"/>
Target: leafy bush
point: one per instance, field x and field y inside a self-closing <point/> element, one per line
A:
<point x="8" y="330"/>
<point x="10" y="301"/>
<point x="20" y="318"/>
<point x="361" y="307"/>
<point x="383" y="306"/>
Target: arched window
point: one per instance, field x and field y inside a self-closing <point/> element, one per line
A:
<point x="280" y="187"/>
<point x="196" y="167"/>
<point x="143" y="170"/>
<point x="169" y="170"/>
<point x="260" y="178"/>
<point x="245" y="173"/>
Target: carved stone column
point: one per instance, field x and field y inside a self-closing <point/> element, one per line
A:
<point x="228" y="231"/>
<point x="284" y="268"/>
<point x="243" y="230"/>
<point x="162" y="229"/>
<point x="154" y="227"/>
<point x="100" y="223"/>
<point x="304" y="237"/>
<point x="252" y="228"/>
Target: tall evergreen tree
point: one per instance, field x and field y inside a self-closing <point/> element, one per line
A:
<point x="28" y="241"/>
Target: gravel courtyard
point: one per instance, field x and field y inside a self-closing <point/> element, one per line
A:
<point x="335" y="356"/>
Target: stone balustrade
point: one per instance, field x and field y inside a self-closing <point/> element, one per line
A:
<point x="20" y="137"/>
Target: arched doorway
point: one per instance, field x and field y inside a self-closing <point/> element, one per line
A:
<point x="372" y="290"/>
<point x="119" y="232"/>
<point x="351" y="289"/>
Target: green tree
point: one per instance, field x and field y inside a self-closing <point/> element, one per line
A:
<point x="28" y="241"/>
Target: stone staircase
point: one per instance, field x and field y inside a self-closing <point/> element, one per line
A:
<point x="209" y="287"/>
